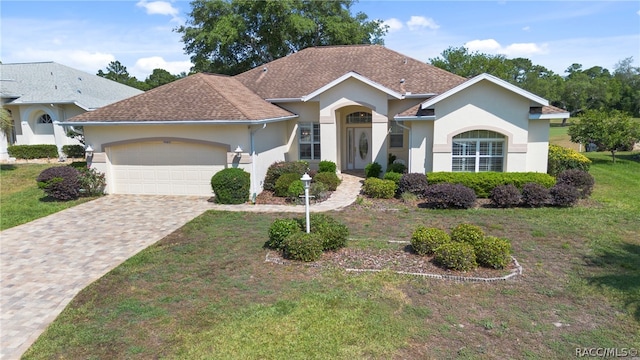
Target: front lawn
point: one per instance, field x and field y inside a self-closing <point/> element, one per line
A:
<point x="206" y="290"/>
<point x="21" y="200"/>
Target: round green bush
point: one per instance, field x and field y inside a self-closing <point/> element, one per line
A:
<point x="456" y="256"/>
<point x="393" y="176"/>
<point x="467" y="233"/>
<point x="493" y="252"/>
<point x="303" y="247"/>
<point x="425" y="240"/>
<point x="231" y="186"/>
<point x="60" y="182"/>
<point x="330" y="179"/>
<point x="397" y="168"/>
<point x="378" y="188"/>
<point x="333" y="233"/>
<point x="280" y="230"/>
<point x="284" y="181"/>
<point x="295" y="189"/>
<point x="276" y="169"/>
<point x="372" y="170"/>
<point x="327" y="166"/>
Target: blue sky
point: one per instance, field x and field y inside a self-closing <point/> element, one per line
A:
<point x="87" y="35"/>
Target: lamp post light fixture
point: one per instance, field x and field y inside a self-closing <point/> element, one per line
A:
<point x="238" y="151"/>
<point x="306" y="180"/>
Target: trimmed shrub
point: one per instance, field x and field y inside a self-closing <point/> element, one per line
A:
<point x="92" y="182"/>
<point x="393" y="176"/>
<point x="505" y="196"/>
<point x="414" y="183"/>
<point x="73" y="151"/>
<point x="535" y="195"/>
<point x="483" y="182"/>
<point x="78" y="165"/>
<point x="303" y="247"/>
<point x="467" y="233"/>
<point x="294" y="190"/>
<point x="333" y="233"/>
<point x="564" y="195"/>
<point x="561" y="159"/>
<point x="456" y="256"/>
<point x="579" y="179"/>
<point x="327" y="166"/>
<point x="60" y="182"/>
<point x="449" y="196"/>
<point x="280" y="230"/>
<point x="283" y="167"/>
<point x="425" y="240"/>
<point x="378" y="188"/>
<point x="33" y="151"/>
<point x="319" y="191"/>
<point x="330" y="179"/>
<point x="397" y="168"/>
<point x="372" y="170"/>
<point x="284" y="181"/>
<point x="231" y="186"/>
<point x="493" y="252"/>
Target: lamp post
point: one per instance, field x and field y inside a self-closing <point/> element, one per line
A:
<point x="88" y="153"/>
<point x="306" y="180"/>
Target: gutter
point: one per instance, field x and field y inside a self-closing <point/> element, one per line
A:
<point x="179" y="122"/>
<point x="414" y="118"/>
<point x="254" y="183"/>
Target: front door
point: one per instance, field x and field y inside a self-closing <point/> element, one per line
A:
<point x="358" y="147"/>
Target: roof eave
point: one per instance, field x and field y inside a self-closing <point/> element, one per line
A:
<point x="414" y="118"/>
<point x="563" y="115"/>
<point x="355" y="75"/>
<point x="180" y="122"/>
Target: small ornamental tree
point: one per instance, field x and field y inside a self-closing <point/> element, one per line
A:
<point x="611" y="131"/>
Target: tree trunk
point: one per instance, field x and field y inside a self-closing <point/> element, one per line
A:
<point x="613" y="155"/>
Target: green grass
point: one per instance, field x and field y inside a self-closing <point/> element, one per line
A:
<point x="206" y="291"/>
<point x="21" y="200"/>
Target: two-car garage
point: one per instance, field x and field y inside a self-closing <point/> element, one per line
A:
<point x="164" y="167"/>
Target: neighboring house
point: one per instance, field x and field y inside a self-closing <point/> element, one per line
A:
<point x="41" y="95"/>
<point x="349" y="104"/>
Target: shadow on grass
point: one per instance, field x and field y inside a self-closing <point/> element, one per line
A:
<point x="622" y="263"/>
<point x="635" y="156"/>
<point x="7" y="167"/>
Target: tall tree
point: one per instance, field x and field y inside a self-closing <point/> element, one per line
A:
<point x="627" y="79"/>
<point x="159" y="77"/>
<point x="466" y="64"/>
<point x="232" y="36"/>
<point x="116" y="72"/>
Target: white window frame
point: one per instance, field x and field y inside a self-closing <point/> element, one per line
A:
<point x="397" y="132"/>
<point x="481" y="151"/>
<point x="313" y="140"/>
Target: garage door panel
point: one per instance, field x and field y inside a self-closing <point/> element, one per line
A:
<point x="160" y="168"/>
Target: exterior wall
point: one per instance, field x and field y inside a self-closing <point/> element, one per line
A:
<point x="485" y="106"/>
<point x="420" y="157"/>
<point x="271" y="143"/>
<point x="538" y="154"/>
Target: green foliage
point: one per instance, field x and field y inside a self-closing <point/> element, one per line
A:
<point x="330" y="179"/>
<point x="73" y="151"/>
<point x="564" y="195"/>
<point x="611" y="131"/>
<point x="493" y="252"/>
<point x="280" y="230"/>
<point x="397" y="168"/>
<point x="333" y="233"/>
<point x="6" y="122"/>
<point x="283" y="167"/>
<point x="378" y="188"/>
<point x="534" y="195"/>
<point x="319" y="191"/>
<point x="92" y="182"/>
<point x="60" y="182"/>
<point x="372" y="170"/>
<point x="303" y="247"/>
<point x="413" y="183"/>
<point x="295" y="189"/>
<point x="33" y="151"/>
<point x="467" y="233"/>
<point x="505" y="196"/>
<point x="393" y="176"/>
<point x="456" y="256"/>
<point x="425" y="240"/>
<point x="483" y="182"/>
<point x="231" y="186"/>
<point x="449" y="196"/>
<point x="230" y="37"/>
<point x="561" y="158"/>
<point x="327" y="166"/>
<point x="284" y="181"/>
<point x="79" y="165"/>
<point x="581" y="180"/>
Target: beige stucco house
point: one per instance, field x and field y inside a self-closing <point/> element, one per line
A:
<point x="42" y="95"/>
<point x="349" y="104"/>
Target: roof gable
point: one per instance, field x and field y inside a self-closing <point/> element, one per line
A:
<point x="198" y="98"/>
<point x="352" y="75"/>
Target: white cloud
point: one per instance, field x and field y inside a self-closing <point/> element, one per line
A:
<point x="638" y="12"/>
<point x="78" y="59"/>
<point x="526" y="28"/>
<point x="148" y="64"/>
<point x="420" y="22"/>
<point x="158" y="7"/>
<point x="393" y="24"/>
<point x="491" y="46"/>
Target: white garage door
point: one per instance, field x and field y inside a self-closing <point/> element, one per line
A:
<point x="165" y="167"/>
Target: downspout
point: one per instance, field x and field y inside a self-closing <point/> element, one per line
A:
<point x="410" y="143"/>
<point x="253" y="163"/>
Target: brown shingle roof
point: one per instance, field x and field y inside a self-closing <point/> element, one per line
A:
<point x="302" y="73"/>
<point x="197" y="97"/>
<point x="550" y="109"/>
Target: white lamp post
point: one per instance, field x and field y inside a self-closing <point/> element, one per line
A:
<point x="306" y="180"/>
<point x="238" y="151"/>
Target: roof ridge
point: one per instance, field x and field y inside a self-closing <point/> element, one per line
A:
<point x="226" y="97"/>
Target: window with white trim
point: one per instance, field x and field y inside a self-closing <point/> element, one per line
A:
<point x="478" y="151"/>
<point x="309" y="141"/>
<point x="359" y="117"/>
<point x="45" y="119"/>
<point x="396" y="136"/>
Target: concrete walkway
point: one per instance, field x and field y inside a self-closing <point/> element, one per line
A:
<point x="45" y="263"/>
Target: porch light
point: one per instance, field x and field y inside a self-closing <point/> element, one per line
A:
<point x="238" y="151"/>
<point x="306" y="180"/>
<point x="88" y="151"/>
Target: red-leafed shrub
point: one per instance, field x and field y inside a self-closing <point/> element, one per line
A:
<point x="60" y="182"/>
<point x="449" y="196"/>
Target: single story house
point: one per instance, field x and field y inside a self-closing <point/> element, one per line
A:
<point x="352" y="105"/>
<point x="42" y="95"/>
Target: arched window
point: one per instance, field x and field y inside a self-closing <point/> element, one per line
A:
<point x="359" y="117"/>
<point x="45" y="119"/>
<point x="478" y="151"/>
